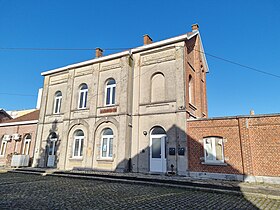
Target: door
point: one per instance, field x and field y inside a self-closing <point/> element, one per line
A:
<point x="157" y="153"/>
<point x="51" y="153"/>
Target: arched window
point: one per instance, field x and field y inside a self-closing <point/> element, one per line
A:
<point x="110" y="92"/>
<point x="78" y="143"/>
<point x="107" y="143"/>
<point x="191" y="89"/>
<point x="26" y="144"/>
<point x="82" y="103"/>
<point x="158" y="88"/>
<point x="57" y="102"/>
<point x="158" y="131"/>
<point x="4" y="142"/>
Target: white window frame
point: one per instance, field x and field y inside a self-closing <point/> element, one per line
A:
<point x="111" y="88"/>
<point x="57" y="106"/>
<point x="80" y="142"/>
<point x="107" y="139"/>
<point x="191" y="96"/>
<point x="26" y="140"/>
<point x="213" y="149"/>
<point x="3" y="148"/>
<point x="84" y="99"/>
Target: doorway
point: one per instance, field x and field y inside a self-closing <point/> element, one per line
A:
<point x="52" y="150"/>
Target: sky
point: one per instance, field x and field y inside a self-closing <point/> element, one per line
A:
<point x="244" y="32"/>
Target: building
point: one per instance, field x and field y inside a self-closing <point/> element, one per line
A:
<point x="18" y="140"/>
<point x="126" y="111"/>
<point x="4" y="115"/>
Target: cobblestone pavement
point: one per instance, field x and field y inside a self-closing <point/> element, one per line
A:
<point x="25" y="191"/>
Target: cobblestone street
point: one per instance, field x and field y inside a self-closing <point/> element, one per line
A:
<point x="22" y="191"/>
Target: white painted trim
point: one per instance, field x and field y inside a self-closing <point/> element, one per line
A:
<point x="127" y="52"/>
<point x="19" y="123"/>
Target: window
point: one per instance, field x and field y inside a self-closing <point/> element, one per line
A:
<point x="57" y="102"/>
<point x="3" y="147"/>
<point x="110" y="92"/>
<point x="191" y="94"/>
<point x="83" y="96"/>
<point x="158" y="88"/>
<point x="213" y="150"/>
<point x="78" y="143"/>
<point x="26" y="144"/>
<point x="107" y="143"/>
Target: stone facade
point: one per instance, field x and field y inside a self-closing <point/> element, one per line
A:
<point x="151" y="91"/>
<point x="251" y="147"/>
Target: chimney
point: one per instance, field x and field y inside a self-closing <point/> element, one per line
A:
<point x="98" y="52"/>
<point x="195" y="27"/>
<point x="147" y="39"/>
<point x="252" y="112"/>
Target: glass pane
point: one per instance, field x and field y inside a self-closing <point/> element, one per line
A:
<point x="26" y="148"/>
<point x="219" y="149"/>
<point x="82" y="145"/>
<point x="53" y="135"/>
<point x="104" y="148"/>
<point x="58" y="94"/>
<point x="79" y="133"/>
<point x="51" y="148"/>
<point x="208" y="149"/>
<point x="56" y="105"/>
<point x="84" y="87"/>
<point x="108" y="96"/>
<point x="158" y="130"/>
<point x="156" y="148"/>
<point x="111" y="82"/>
<point x="81" y="99"/>
<point x="113" y="95"/>
<point x="85" y="101"/>
<point x="111" y="147"/>
<point x="76" y="147"/>
<point x="107" y="131"/>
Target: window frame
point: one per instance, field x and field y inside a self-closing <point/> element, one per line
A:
<point x="3" y="148"/>
<point x="112" y="90"/>
<point x="107" y="138"/>
<point x="191" y="90"/>
<point x="84" y="92"/>
<point x="57" y="106"/>
<point x="213" y="150"/>
<point x="26" y="140"/>
<point x="80" y="145"/>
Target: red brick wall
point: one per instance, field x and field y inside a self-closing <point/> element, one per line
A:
<point x="252" y="144"/>
<point x="22" y="130"/>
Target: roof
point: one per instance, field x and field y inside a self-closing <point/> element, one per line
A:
<point x="173" y="40"/>
<point x="5" y="113"/>
<point x="27" y="117"/>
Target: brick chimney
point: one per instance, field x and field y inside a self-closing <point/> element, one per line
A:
<point x="252" y="112"/>
<point x="147" y="39"/>
<point x="195" y="27"/>
<point x="98" y="52"/>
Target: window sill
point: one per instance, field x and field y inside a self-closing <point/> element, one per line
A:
<point x="214" y="163"/>
<point x="106" y="159"/>
<point x="76" y="158"/>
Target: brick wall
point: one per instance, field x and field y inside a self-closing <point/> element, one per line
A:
<point x="251" y="147"/>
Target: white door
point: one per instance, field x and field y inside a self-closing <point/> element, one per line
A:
<point x="51" y="153"/>
<point x="157" y="153"/>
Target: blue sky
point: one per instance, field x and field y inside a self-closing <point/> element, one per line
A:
<point x="246" y="32"/>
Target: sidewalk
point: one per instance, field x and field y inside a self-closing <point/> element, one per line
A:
<point x="233" y="187"/>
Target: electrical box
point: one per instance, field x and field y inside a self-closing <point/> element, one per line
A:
<point x="172" y="151"/>
<point x="181" y="151"/>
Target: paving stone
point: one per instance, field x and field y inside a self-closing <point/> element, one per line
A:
<point x="27" y="191"/>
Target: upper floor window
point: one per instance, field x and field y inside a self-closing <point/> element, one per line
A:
<point x="83" y="96"/>
<point x="107" y="143"/>
<point x="213" y="150"/>
<point x="191" y="90"/>
<point x="110" y="92"/>
<point x="57" y="102"/>
<point x="78" y="143"/>
<point x="158" y="88"/>
<point x="26" y="144"/>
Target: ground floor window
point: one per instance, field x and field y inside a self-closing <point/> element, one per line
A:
<point x="107" y="143"/>
<point x="213" y="150"/>
<point x="3" y="148"/>
<point x="78" y="143"/>
<point x="26" y="144"/>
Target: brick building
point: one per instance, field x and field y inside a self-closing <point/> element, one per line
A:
<point x="18" y="139"/>
<point x="239" y="148"/>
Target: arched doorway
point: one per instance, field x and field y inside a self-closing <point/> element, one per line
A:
<point x="52" y="149"/>
<point x="157" y="150"/>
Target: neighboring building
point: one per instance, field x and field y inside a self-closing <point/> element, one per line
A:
<point x="18" y="113"/>
<point x="126" y="111"/>
<point x="4" y="116"/>
<point x="238" y="148"/>
<point x="18" y="140"/>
